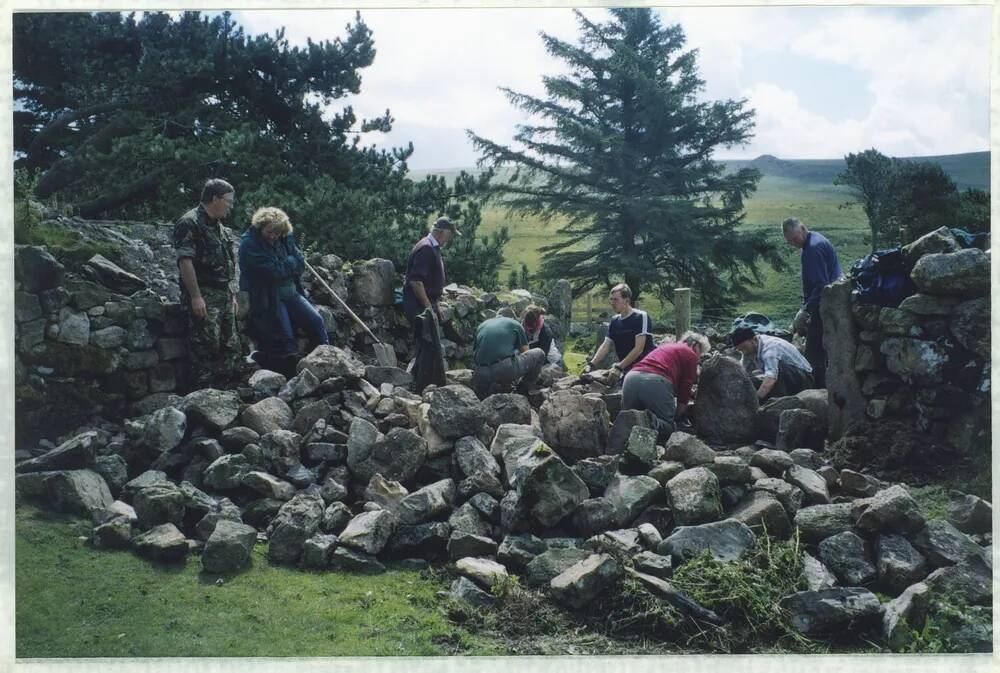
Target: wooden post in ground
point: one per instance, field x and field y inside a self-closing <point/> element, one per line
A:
<point x="682" y="311"/>
<point x="590" y="302"/>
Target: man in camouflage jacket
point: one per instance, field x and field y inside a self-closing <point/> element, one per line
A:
<point x="207" y="278"/>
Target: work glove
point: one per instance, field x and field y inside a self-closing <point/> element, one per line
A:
<point x="800" y="325"/>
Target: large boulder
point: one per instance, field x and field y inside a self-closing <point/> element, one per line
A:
<point x="82" y="492"/>
<point x="581" y="583"/>
<point x="971" y="326"/>
<point x="943" y="544"/>
<point x="819" y="522"/>
<point x="271" y="413"/>
<point x="688" y="449"/>
<point x="163" y="543"/>
<point x="965" y="273"/>
<point x="37" y="269"/>
<point x="831" y="611"/>
<point x="940" y="240"/>
<point x="970" y="513"/>
<point x="812" y="484"/>
<point x="373" y="282"/>
<point x="916" y="361"/>
<point x="430" y="502"/>
<point x="398" y="455"/>
<point x="484" y="572"/>
<point x="892" y="510"/>
<point x="694" y="496"/>
<point x="899" y="565"/>
<point x="629" y="496"/>
<point x="455" y="412"/>
<point x="425" y="540"/>
<point x="226" y="472"/>
<point x="369" y="532"/>
<point x="550" y="563"/>
<point x="327" y="362"/>
<point x="621" y="429"/>
<point x="297" y="521"/>
<point x="506" y="408"/>
<point x="575" y="425"/>
<point x="159" y="504"/>
<point x="550" y="490"/>
<point x="229" y="547"/>
<point x="726" y="540"/>
<point x="761" y="511"/>
<point x="846" y="555"/>
<point x="76" y="453"/>
<point x="472" y="457"/>
<point x="727" y="401"/>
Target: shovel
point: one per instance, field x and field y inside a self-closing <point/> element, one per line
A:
<point x="384" y="353"/>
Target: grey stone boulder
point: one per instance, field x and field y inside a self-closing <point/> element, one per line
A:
<point x="163" y="543"/>
<point x="968" y="582"/>
<point x="115" y="533"/>
<point x="267" y="383"/>
<point x="486" y="505"/>
<point x="484" y="572"/>
<point x="653" y="564"/>
<point x="372" y="282"/>
<point x="511" y="434"/>
<point x="226" y="472"/>
<point x="517" y="551"/>
<point x="694" y="496"/>
<point x="463" y="589"/>
<point x="832" y="611"/>
<point x="369" y="532"/>
<point x="426" y="540"/>
<point x="761" y="511"/>
<point x="550" y="489"/>
<point x="593" y="516"/>
<point x="480" y="482"/>
<point x="268" y="485"/>
<point x="964" y="273"/>
<point x="385" y="493"/>
<point x="621" y="429"/>
<point x="619" y="543"/>
<point x="550" y="564"/>
<point x="472" y="456"/>
<point x="906" y="614"/>
<point x="326" y="362"/>
<point x="941" y="240"/>
<point x="575" y="425"/>
<point x="806" y="458"/>
<point x="301" y="385"/>
<point x="816" y="575"/>
<point x="598" y="471"/>
<point x="798" y="428"/>
<point x="283" y="451"/>
<point x="229" y="547"/>
<point x="455" y="412"/>
<point x="629" y="496"/>
<point x="159" y="504"/>
<point x="430" y="502"/>
<point x="466" y="518"/>
<point x="355" y="561"/>
<point x="37" y="269"/>
<point x="857" y="484"/>
<point x="915" y="361"/>
<point x="929" y="305"/>
<point x="236" y="438"/>
<point x="317" y="552"/>
<point x="162" y="430"/>
<point x="730" y="470"/>
<point x="76" y="453"/>
<point x="818" y="522"/>
<point x="581" y="583"/>
<point x="641" y="448"/>
<point x="813" y="486"/>
<point x="224" y="509"/>
<point x="377" y="375"/>
<point x="664" y="471"/>
<point x="727" y="540"/>
<point x="970" y="513"/>
<point x="506" y="408"/>
<point x="971" y="326"/>
<point x="942" y="544"/>
<point x="335" y="517"/>
<point x="768" y="417"/>
<point x="214" y="409"/>
<point x="898" y="563"/>
<point x="727" y="401"/>
<point x="772" y="461"/>
<point x="845" y="554"/>
<point x="892" y="510"/>
<point x="297" y="521"/>
<point x="463" y="545"/>
<point x="397" y="455"/>
<point x="649" y="534"/>
<point x="688" y="449"/>
<point x="271" y="413"/>
<point x="82" y="492"/>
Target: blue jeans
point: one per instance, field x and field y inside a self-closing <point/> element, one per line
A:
<point x="296" y="312"/>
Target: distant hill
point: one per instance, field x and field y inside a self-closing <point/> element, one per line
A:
<point x="969" y="170"/>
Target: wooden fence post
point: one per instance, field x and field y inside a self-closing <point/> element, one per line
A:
<point x="682" y="311"/>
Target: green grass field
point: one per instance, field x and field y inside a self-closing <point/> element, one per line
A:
<point x="76" y="601"/>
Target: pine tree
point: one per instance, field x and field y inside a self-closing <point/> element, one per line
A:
<point x="624" y="155"/>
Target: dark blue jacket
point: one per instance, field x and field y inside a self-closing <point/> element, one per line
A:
<point x="263" y="269"/>
<point x="820" y="267"/>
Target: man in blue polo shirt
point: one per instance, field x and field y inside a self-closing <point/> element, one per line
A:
<point x="629" y="332"/>
<point x="820" y="267"/>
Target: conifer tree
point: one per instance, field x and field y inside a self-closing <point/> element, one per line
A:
<point x="623" y="152"/>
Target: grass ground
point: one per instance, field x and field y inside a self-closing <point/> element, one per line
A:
<point x="76" y="601"/>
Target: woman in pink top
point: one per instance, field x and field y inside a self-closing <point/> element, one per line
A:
<point x="661" y="382"/>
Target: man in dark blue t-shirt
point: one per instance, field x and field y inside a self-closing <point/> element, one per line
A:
<point x="629" y="332"/>
<point x="820" y="267"/>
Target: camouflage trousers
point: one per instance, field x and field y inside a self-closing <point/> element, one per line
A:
<point x="214" y="349"/>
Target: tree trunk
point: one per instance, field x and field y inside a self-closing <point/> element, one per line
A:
<point x="145" y="187"/>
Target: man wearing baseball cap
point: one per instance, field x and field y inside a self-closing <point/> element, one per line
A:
<point x="786" y="372"/>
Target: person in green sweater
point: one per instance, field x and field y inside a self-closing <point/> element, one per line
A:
<point x="501" y="357"/>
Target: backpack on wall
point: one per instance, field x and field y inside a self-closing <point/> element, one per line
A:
<point x="882" y="278"/>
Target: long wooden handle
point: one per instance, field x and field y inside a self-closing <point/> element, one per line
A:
<point x="342" y="303"/>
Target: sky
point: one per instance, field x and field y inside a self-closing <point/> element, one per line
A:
<point x="824" y="81"/>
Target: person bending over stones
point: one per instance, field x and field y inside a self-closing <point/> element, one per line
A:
<point x="629" y="332"/>
<point x="207" y="272"/>
<point x="786" y="372"/>
<point x="540" y="335"/>
<point x="271" y="267"/>
<point x="501" y="356"/>
<point x="661" y="382"/>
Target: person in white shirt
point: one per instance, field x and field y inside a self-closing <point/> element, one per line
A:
<point x="786" y="371"/>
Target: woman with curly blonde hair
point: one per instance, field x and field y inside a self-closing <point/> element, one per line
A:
<point x="271" y="267"/>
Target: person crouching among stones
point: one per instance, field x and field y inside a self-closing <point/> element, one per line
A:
<point x="540" y="336"/>
<point x="502" y="358"/>
<point x="271" y="267"/>
<point x="661" y="382"/>
<point x="786" y="371"/>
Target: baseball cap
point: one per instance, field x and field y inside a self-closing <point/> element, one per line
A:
<point x="445" y="223"/>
